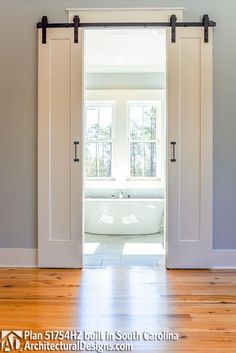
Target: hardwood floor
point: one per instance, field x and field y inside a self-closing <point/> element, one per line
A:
<point x="199" y="305"/>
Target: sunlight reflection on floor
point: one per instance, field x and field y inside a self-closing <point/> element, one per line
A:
<point x="143" y="249"/>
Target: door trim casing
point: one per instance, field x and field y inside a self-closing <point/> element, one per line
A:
<point x="145" y="14"/>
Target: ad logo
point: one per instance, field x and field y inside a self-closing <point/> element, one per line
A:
<point x="10" y="341"/>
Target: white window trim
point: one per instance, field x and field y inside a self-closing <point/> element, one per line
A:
<point x="145" y="14"/>
<point x="132" y="95"/>
<point x="97" y="97"/>
<point x="103" y="103"/>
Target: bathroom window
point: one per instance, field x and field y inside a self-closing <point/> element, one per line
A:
<point x="144" y="152"/>
<point x="99" y="140"/>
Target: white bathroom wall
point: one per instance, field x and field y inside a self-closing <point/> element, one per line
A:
<point x="127" y="81"/>
<point x="134" y="192"/>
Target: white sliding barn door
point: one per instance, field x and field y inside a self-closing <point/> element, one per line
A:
<point x="60" y="109"/>
<point x="189" y="178"/>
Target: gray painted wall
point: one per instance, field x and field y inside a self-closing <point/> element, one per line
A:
<point x="18" y="106"/>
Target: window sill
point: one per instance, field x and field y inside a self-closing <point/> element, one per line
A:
<point x="100" y="179"/>
<point x="143" y="179"/>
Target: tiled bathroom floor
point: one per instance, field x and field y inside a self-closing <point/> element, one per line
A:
<point x="124" y="250"/>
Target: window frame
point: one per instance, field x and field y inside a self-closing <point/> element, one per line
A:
<point x="101" y="103"/>
<point x="159" y="138"/>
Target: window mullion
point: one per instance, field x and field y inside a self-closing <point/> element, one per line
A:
<point x="97" y="158"/>
<point x="143" y="144"/>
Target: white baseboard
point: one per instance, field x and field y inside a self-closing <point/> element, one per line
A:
<point x="224" y="259"/>
<point x="12" y="257"/>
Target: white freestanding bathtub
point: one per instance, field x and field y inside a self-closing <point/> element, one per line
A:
<point x="123" y="216"/>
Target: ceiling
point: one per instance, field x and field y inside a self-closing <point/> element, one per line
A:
<point x="125" y="50"/>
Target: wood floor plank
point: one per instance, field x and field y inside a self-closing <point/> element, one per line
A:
<point x="199" y="305"/>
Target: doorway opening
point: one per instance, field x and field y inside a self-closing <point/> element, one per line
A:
<point x="124" y="147"/>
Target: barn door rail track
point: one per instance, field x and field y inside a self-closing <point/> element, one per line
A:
<point x="173" y="23"/>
